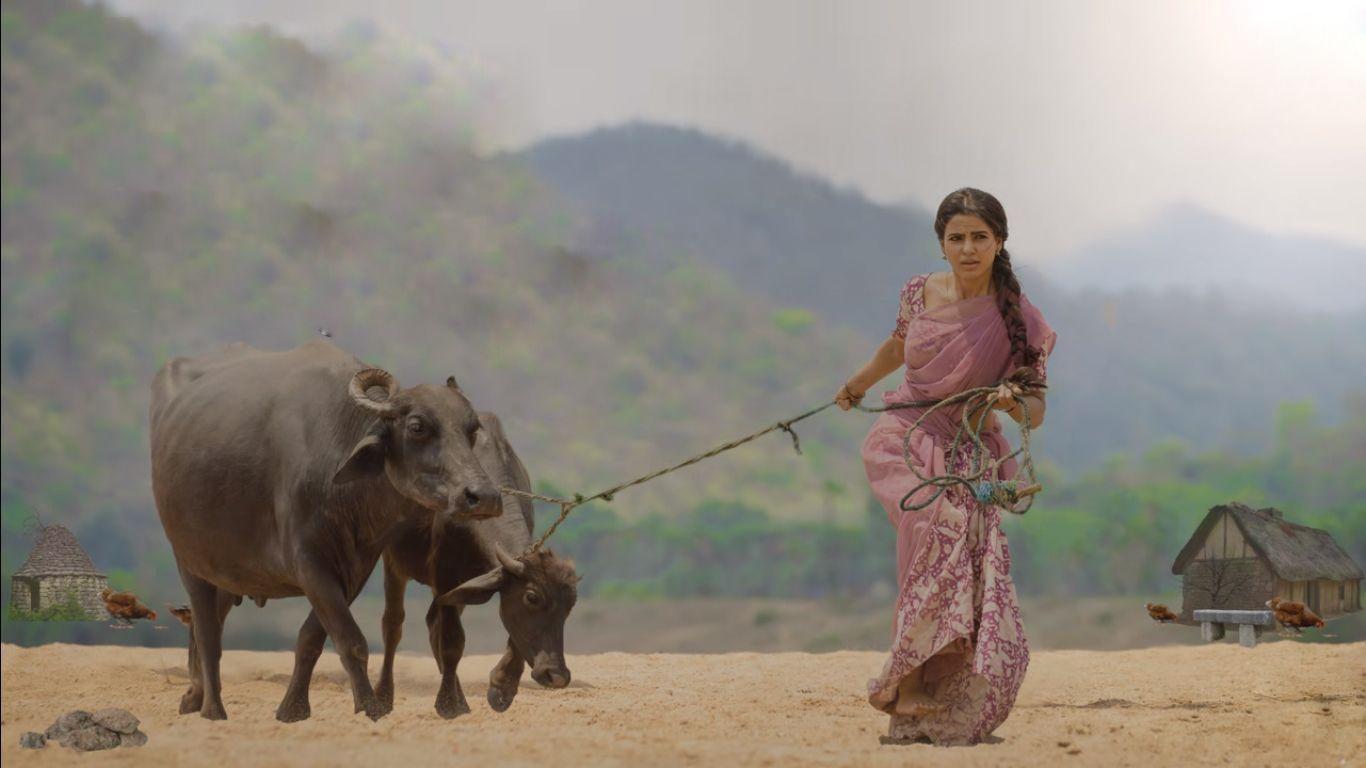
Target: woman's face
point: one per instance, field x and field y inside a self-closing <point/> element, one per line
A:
<point x="970" y="246"/>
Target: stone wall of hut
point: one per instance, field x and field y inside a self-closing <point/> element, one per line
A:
<point x="21" y="594"/>
<point x="52" y="590"/>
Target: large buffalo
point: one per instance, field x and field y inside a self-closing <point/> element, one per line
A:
<point x="468" y="563"/>
<point x="278" y="474"/>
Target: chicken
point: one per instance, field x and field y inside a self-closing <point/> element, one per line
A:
<point x="1159" y="612"/>
<point x="181" y="612"/>
<point x="1294" y="615"/>
<point x="125" y="606"/>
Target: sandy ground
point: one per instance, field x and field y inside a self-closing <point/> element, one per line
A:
<point x="1276" y="705"/>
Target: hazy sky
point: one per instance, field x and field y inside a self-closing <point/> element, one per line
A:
<point x="1083" y="117"/>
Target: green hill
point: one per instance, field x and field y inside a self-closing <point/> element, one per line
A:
<point x="164" y="197"/>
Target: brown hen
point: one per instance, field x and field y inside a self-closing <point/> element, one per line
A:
<point x="1159" y="612"/>
<point x="1293" y="614"/>
<point x="125" y="606"/>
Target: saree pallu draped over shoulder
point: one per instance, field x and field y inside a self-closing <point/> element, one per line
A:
<point x="958" y="647"/>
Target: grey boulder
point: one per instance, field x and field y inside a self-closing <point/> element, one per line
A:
<point x="71" y="721"/>
<point x="90" y="739"/>
<point x="33" y="740"/>
<point x="118" y="720"/>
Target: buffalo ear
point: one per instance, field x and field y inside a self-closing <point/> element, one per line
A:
<point x="476" y="591"/>
<point x="450" y="382"/>
<point x="366" y="460"/>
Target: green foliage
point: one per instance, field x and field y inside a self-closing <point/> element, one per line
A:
<point x="122" y="580"/>
<point x="68" y="608"/>
<point x="162" y="200"/>
<point x="793" y="320"/>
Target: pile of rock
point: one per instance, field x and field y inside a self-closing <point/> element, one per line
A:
<point x="84" y="732"/>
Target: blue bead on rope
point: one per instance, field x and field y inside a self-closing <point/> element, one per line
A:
<point x="999" y="493"/>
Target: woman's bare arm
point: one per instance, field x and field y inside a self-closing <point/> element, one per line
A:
<point x="886" y="359"/>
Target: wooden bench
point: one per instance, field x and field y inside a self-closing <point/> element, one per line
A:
<point x="1250" y="624"/>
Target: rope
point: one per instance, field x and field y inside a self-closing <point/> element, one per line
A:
<point x="1005" y="494"/>
<point x="568" y="505"/>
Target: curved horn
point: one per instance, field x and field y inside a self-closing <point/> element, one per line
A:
<point x="374" y="377"/>
<point x="510" y="564"/>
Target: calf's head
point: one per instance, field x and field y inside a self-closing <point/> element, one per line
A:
<point x="536" y="592"/>
<point x="423" y="443"/>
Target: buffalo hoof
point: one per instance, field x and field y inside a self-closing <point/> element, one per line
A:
<point x="372" y="707"/>
<point x="192" y="701"/>
<point x="384" y="704"/>
<point x="384" y="696"/>
<point x="499" y="699"/>
<point x="451" y="706"/>
<point x="375" y="710"/>
<point x="293" y="711"/>
<point x="213" y="711"/>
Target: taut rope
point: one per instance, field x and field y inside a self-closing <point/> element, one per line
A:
<point x="1001" y="493"/>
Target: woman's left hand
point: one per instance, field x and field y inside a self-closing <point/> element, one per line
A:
<point x="1005" y="398"/>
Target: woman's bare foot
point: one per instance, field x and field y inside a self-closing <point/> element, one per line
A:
<point x="911" y="698"/>
<point x="918" y="707"/>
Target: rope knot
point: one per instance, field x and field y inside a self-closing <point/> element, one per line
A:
<point x="786" y="426"/>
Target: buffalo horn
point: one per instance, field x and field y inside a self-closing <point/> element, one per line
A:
<point x="374" y="377"/>
<point x="510" y="564"/>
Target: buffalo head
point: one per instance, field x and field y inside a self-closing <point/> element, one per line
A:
<point x="423" y="443"/>
<point x="536" y="592"/>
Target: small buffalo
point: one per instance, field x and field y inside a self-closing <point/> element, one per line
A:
<point x="279" y="474"/>
<point x="467" y="563"/>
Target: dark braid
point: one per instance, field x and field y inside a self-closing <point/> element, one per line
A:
<point x="975" y="202"/>
<point x="1008" y="301"/>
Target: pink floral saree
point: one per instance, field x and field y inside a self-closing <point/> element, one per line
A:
<point x="957" y="622"/>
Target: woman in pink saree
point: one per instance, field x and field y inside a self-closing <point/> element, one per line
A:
<point x="958" y="651"/>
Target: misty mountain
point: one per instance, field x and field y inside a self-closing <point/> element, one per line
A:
<point x="1132" y="366"/>
<point x="1187" y="247"/>
<point x="660" y="192"/>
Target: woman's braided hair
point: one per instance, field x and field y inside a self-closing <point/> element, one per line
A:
<point x="983" y="205"/>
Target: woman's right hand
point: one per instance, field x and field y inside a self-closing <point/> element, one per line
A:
<point x="846" y="398"/>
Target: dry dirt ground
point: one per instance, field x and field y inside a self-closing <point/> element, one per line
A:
<point x="1278" y="704"/>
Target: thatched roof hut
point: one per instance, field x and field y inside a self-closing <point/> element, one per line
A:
<point x="1240" y="557"/>
<point x="56" y="570"/>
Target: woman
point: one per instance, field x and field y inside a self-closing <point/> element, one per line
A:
<point x="959" y="652"/>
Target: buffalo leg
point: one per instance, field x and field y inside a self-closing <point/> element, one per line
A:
<point x="333" y="610"/>
<point x="448" y="642"/>
<point x="193" y="700"/>
<point x="209" y="607"/>
<point x="504" y="679"/>
<point x="294" y="707"/>
<point x="395" y="586"/>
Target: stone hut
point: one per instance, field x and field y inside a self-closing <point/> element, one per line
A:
<point x="1241" y="557"/>
<point x="56" y="567"/>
